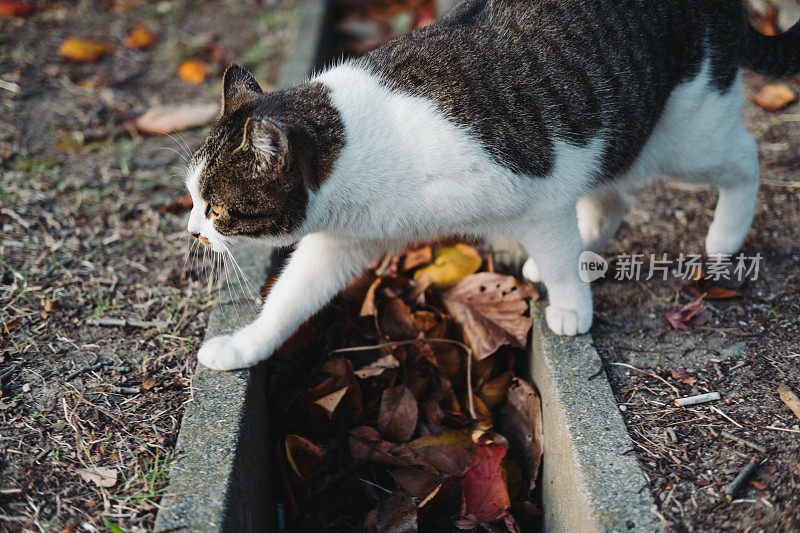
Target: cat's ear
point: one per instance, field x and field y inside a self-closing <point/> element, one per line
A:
<point x="237" y="84"/>
<point x="268" y="139"/>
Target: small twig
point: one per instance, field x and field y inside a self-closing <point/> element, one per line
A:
<point x="731" y="420"/>
<point x="122" y="322"/>
<point x="672" y="435"/>
<point x="466" y="348"/>
<point x="7" y="371"/>
<point x="734" y="486"/>
<point x="783" y="429"/>
<point x="118" y="368"/>
<point x="469" y="386"/>
<point x="745" y="442"/>
<point x="87" y="368"/>
<point x="780" y="183"/>
<point x="789" y="398"/>
<point x="653" y="374"/>
<point x="700" y="398"/>
<point x="126" y="390"/>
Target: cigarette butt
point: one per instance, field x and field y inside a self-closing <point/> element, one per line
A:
<point x="700" y="398"/>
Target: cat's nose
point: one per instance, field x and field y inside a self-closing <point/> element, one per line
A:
<point x="195" y="235"/>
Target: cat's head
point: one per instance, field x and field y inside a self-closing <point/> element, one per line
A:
<point x="251" y="177"/>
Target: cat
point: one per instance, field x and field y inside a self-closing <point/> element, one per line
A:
<point x="518" y="117"/>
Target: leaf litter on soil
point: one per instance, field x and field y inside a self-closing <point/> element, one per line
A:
<point x="373" y="400"/>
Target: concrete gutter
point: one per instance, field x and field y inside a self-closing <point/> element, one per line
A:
<point x="220" y="477"/>
<point x="591" y="480"/>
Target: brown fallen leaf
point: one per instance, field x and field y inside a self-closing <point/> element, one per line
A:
<point x="416" y="481"/>
<point x="125" y="5"/>
<point x="683" y="376"/>
<point x="397" y="513"/>
<point x="140" y="38"/>
<point x="774" y="97"/>
<point x="397" y="418"/>
<point x="194" y="71"/>
<point x="418" y="257"/>
<point x="7" y="327"/>
<point x="493" y="392"/>
<point x="148" y="382"/>
<point x="303" y="455"/>
<point x="366" y="444"/>
<point x="451" y="265"/>
<point x="521" y="423"/>
<point x="163" y="119"/>
<point x="368" y="307"/>
<point x="48" y="307"/>
<point x="330" y="402"/>
<point x="99" y="475"/>
<point x="84" y="50"/>
<point x="489" y="309"/>
<point x="757" y="484"/>
<point x="177" y="206"/>
<point x="396" y="319"/>
<point x="714" y="292"/>
<point x="377" y="368"/>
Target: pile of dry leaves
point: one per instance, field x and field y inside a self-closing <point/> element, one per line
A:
<point x="397" y="408"/>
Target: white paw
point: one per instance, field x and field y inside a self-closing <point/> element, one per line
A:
<point x="568" y="321"/>
<point x="530" y="271"/>
<point x="229" y="352"/>
<point x="723" y="241"/>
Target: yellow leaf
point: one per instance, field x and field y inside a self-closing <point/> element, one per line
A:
<point x="450" y="265"/>
<point x="140" y="38"/>
<point x="193" y="71"/>
<point x="774" y="97"/>
<point x="459" y="438"/>
<point x="303" y="455"/>
<point x="83" y="49"/>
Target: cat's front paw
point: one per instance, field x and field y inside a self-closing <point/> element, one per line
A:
<point x="228" y="352"/>
<point x="568" y="321"/>
<point x="530" y="271"/>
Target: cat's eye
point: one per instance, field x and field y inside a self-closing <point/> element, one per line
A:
<point x="213" y="211"/>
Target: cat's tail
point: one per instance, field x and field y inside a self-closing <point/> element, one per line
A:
<point x="775" y="55"/>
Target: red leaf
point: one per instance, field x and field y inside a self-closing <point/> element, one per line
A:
<point x="16" y="9"/>
<point x="680" y="317"/>
<point x="483" y="491"/>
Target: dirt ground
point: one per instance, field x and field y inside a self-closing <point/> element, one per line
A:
<point x="87" y="223"/>
<point x="748" y="346"/>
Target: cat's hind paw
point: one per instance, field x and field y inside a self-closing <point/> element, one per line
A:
<point x="568" y="321"/>
<point x="227" y="352"/>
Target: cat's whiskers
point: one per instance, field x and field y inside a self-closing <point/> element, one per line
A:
<point x="248" y="289"/>
<point x="182" y="156"/>
<point x="185" y="146"/>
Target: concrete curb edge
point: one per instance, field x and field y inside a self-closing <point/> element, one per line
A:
<point x="590" y="477"/>
<point x="220" y="475"/>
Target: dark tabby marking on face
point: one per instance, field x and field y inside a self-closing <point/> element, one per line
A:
<point x="521" y="74"/>
<point x="265" y="154"/>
